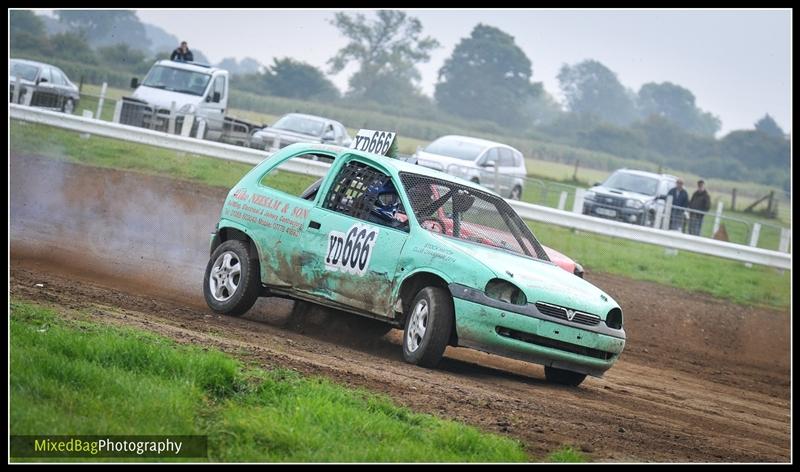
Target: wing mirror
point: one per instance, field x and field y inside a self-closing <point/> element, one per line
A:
<point x="134" y="82"/>
<point x="489" y="164"/>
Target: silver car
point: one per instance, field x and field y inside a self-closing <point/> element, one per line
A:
<point x="494" y="165"/>
<point x="300" y="128"/>
<point x="42" y="85"/>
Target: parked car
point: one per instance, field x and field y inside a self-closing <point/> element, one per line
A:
<point x="493" y="165"/>
<point x="301" y="128"/>
<point x="629" y="195"/>
<point x="42" y="85"/>
<point x="447" y="260"/>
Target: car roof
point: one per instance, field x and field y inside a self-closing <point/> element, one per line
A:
<point x="646" y="173"/>
<point x="194" y="67"/>
<point x="479" y="141"/>
<point x="396" y="164"/>
<point x="313" y="117"/>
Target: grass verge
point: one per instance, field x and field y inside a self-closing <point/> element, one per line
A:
<point x="72" y="377"/>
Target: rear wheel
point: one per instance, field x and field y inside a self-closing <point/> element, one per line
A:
<point x="428" y="326"/>
<point x="563" y="377"/>
<point x="232" y="281"/>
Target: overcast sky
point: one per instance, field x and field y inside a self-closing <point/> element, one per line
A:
<point x="736" y="62"/>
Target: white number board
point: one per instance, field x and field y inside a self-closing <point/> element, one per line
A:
<point x="378" y="142"/>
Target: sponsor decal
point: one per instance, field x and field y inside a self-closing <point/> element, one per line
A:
<point x="350" y="252"/>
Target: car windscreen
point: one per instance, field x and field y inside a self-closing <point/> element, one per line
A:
<point x="300" y="124"/>
<point x="464" y="213"/>
<point x="24" y="71"/>
<point x="454" y="147"/>
<point x="632" y="183"/>
<point x="177" y="80"/>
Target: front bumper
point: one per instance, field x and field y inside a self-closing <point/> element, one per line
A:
<point x="524" y="333"/>
<point x="626" y="214"/>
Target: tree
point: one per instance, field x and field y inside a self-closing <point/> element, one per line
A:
<point x="122" y="56"/>
<point x="294" y="79"/>
<point x="768" y="126"/>
<point x="72" y="47"/>
<point x="592" y="88"/>
<point x="487" y="77"/>
<point x="677" y="104"/>
<point x="26" y="31"/>
<point x="106" y="27"/>
<point x="386" y="51"/>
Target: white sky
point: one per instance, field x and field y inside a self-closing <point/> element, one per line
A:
<point x="736" y="62"/>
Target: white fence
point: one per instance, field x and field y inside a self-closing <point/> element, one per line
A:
<point x="574" y="220"/>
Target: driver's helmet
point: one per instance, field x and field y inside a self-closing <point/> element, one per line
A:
<point x="384" y="199"/>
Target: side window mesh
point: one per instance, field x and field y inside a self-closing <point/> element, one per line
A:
<point x="348" y="192"/>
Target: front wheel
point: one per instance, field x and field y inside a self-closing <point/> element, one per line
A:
<point x="232" y="282"/>
<point x="563" y="377"/>
<point x="428" y="326"/>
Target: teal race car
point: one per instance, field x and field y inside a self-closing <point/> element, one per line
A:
<point x="443" y="258"/>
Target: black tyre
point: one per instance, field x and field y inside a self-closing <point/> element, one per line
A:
<point x="563" y="377"/>
<point x="428" y="326"/>
<point x="232" y="281"/>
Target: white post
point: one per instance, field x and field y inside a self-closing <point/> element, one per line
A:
<point x="117" y="111"/>
<point x="754" y="239"/>
<point x="17" y="87"/>
<point x="188" y="122"/>
<point x="786" y="236"/>
<point x="26" y="100"/>
<point x="201" y="128"/>
<point x="86" y="114"/>
<point x="657" y="218"/>
<point x="562" y="200"/>
<point x="496" y="177"/>
<point x="717" y="218"/>
<point x="667" y="213"/>
<point x="171" y="122"/>
<point x="102" y="98"/>
<point x="577" y="205"/>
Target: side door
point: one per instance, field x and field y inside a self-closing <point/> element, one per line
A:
<point x="214" y="107"/>
<point x="44" y="94"/>
<point x="350" y="253"/>
<point x="507" y="170"/>
<point x="488" y="172"/>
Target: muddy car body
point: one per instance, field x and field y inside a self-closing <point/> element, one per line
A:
<point x="452" y="263"/>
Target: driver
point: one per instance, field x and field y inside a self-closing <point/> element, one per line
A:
<point x="385" y="203"/>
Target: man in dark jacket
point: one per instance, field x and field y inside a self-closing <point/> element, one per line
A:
<point x="680" y="201"/>
<point x="700" y="201"/>
<point x="182" y="53"/>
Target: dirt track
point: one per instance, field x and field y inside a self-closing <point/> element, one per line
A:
<point x="701" y="379"/>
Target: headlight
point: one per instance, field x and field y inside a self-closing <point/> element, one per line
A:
<point x="578" y="270"/>
<point x="188" y="109"/>
<point x="506" y="292"/>
<point x="614" y="318"/>
<point x="589" y="195"/>
<point x="633" y="203"/>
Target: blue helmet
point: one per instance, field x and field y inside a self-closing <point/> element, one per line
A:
<point x="384" y="199"/>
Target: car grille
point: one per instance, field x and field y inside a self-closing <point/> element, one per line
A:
<point x="609" y="201"/>
<point x="561" y="313"/>
<point x="553" y="343"/>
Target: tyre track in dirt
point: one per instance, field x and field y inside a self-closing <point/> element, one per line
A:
<point x="700" y="380"/>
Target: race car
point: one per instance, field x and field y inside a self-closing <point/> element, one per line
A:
<point x="444" y="259"/>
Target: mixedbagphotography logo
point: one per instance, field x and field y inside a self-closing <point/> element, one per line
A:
<point x="109" y="446"/>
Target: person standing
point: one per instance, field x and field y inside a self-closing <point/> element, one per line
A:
<point x="680" y="201"/>
<point x="182" y="53"/>
<point x="700" y="201"/>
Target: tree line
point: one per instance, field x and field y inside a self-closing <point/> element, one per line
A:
<point x="488" y="78"/>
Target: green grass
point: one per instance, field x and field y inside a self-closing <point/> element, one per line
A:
<point x="692" y="272"/>
<point x="639" y="261"/>
<point x="566" y="454"/>
<point x="74" y="377"/>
